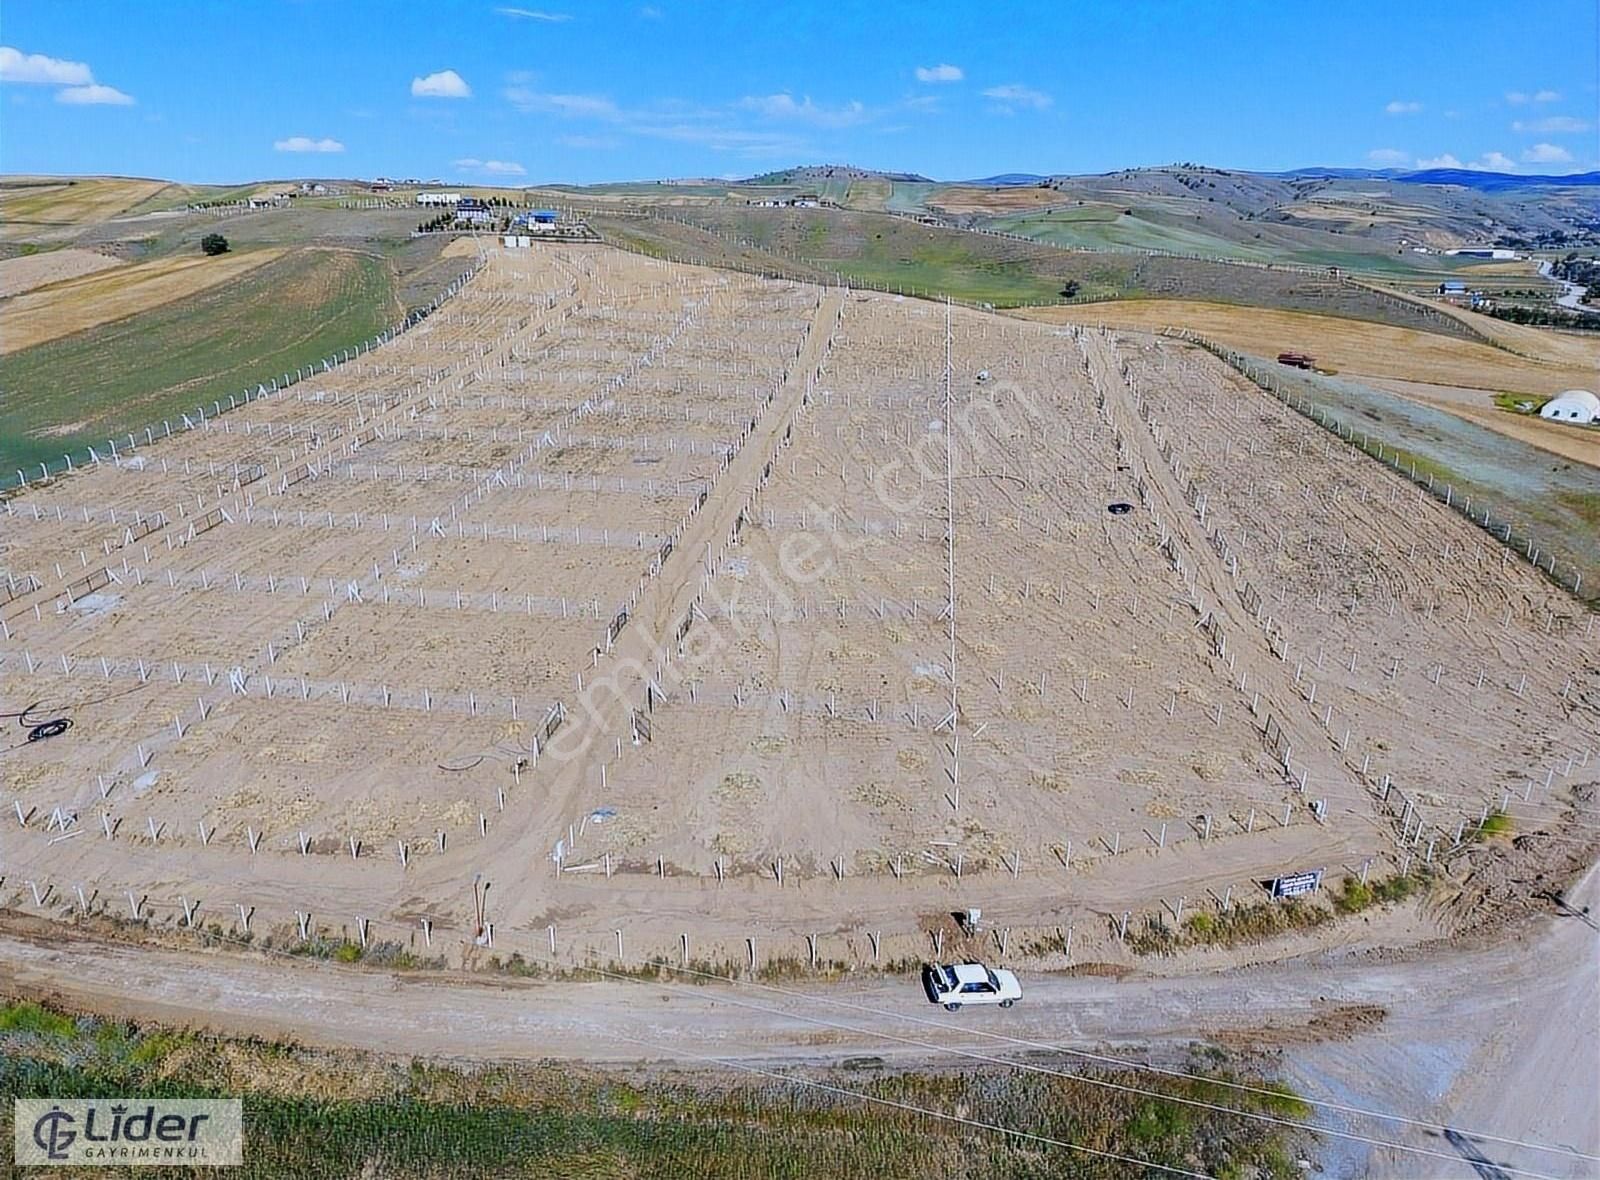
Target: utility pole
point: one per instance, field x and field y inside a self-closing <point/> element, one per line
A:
<point x="950" y="558"/>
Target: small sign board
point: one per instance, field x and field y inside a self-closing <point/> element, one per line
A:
<point x="1296" y="884"/>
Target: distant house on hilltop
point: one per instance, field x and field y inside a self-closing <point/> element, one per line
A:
<point x="473" y="211"/>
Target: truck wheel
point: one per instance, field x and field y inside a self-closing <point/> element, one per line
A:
<point x="951" y="1007"/>
<point x="1007" y="1003"/>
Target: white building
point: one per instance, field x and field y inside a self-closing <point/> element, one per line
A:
<point x="438" y="198"/>
<point x="1578" y="406"/>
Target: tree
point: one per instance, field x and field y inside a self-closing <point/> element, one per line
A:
<point x="214" y="244"/>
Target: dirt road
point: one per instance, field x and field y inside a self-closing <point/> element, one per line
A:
<point x="1502" y="1040"/>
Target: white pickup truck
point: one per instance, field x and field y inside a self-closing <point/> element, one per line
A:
<point x="957" y="984"/>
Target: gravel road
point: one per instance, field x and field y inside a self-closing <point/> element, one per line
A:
<point x="1503" y="1040"/>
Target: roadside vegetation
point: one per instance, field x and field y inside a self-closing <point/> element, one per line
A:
<point x="321" y="1116"/>
<point x="1257" y="922"/>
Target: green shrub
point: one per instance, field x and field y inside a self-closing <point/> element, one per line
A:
<point x="28" y="1017"/>
<point x="1498" y="824"/>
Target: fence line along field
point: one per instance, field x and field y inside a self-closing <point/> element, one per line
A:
<point x="680" y="605"/>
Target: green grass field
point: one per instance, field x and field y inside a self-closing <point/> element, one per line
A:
<point x="1102" y="227"/>
<point x="898" y="254"/>
<point x="119" y="377"/>
<point x="322" y="1116"/>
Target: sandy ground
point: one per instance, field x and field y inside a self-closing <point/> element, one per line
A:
<point x="1498" y="1045"/>
<point x="309" y="645"/>
<point x="75" y="304"/>
<point x="450" y="581"/>
<point x="40" y="270"/>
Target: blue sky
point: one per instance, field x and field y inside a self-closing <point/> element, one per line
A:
<point x="545" y="90"/>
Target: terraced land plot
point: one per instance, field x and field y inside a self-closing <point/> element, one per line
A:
<point x="675" y="601"/>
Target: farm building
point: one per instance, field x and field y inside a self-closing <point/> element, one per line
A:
<point x="540" y="219"/>
<point x="472" y="210"/>
<point x="1575" y="405"/>
<point x="1452" y="287"/>
<point x="1496" y="252"/>
<point x="438" y="198"/>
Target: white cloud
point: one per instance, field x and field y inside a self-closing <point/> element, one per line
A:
<point x="588" y="142"/>
<point x="534" y="14"/>
<point x="76" y="79"/>
<point x="1551" y="125"/>
<point x="784" y="120"/>
<point x="940" y="73"/>
<point x="1547" y="153"/>
<point x="650" y="12"/>
<point x="1015" y="95"/>
<point x="492" y="167"/>
<point x="94" y="94"/>
<point x="1516" y="97"/>
<point x="304" y="143"/>
<point x="1388" y="157"/>
<point x="576" y="106"/>
<point x="1488" y="162"/>
<point x="783" y="106"/>
<point x="444" y="84"/>
<point x="1402" y="107"/>
<point x="16" y="66"/>
<point x="1547" y="96"/>
<point x="1519" y="98"/>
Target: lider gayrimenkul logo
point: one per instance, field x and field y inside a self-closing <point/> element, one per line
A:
<point x="53" y="1133"/>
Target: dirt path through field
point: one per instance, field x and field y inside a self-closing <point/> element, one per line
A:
<point x="602" y="714"/>
<point x="1501" y="1040"/>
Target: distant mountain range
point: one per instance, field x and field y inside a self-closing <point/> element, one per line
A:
<point x="812" y="173"/>
<point x="1009" y="178"/>
<point x="1486" y="182"/>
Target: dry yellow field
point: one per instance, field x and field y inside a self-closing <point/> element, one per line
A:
<point x="56" y="266"/>
<point x="870" y="193"/>
<point x="1019" y="198"/>
<point x="26" y="209"/>
<point x="64" y="308"/>
<point x="1517" y="267"/>
<point x="1545" y="363"/>
<point x="1562" y="348"/>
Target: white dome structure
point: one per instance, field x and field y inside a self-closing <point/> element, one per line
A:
<point x="1576" y="405"/>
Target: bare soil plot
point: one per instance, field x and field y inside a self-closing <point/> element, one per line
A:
<point x="18" y="275"/>
<point x="1196" y="644"/>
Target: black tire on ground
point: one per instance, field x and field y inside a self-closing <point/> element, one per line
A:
<point x="951" y="1007"/>
<point x="1007" y="1003"/>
